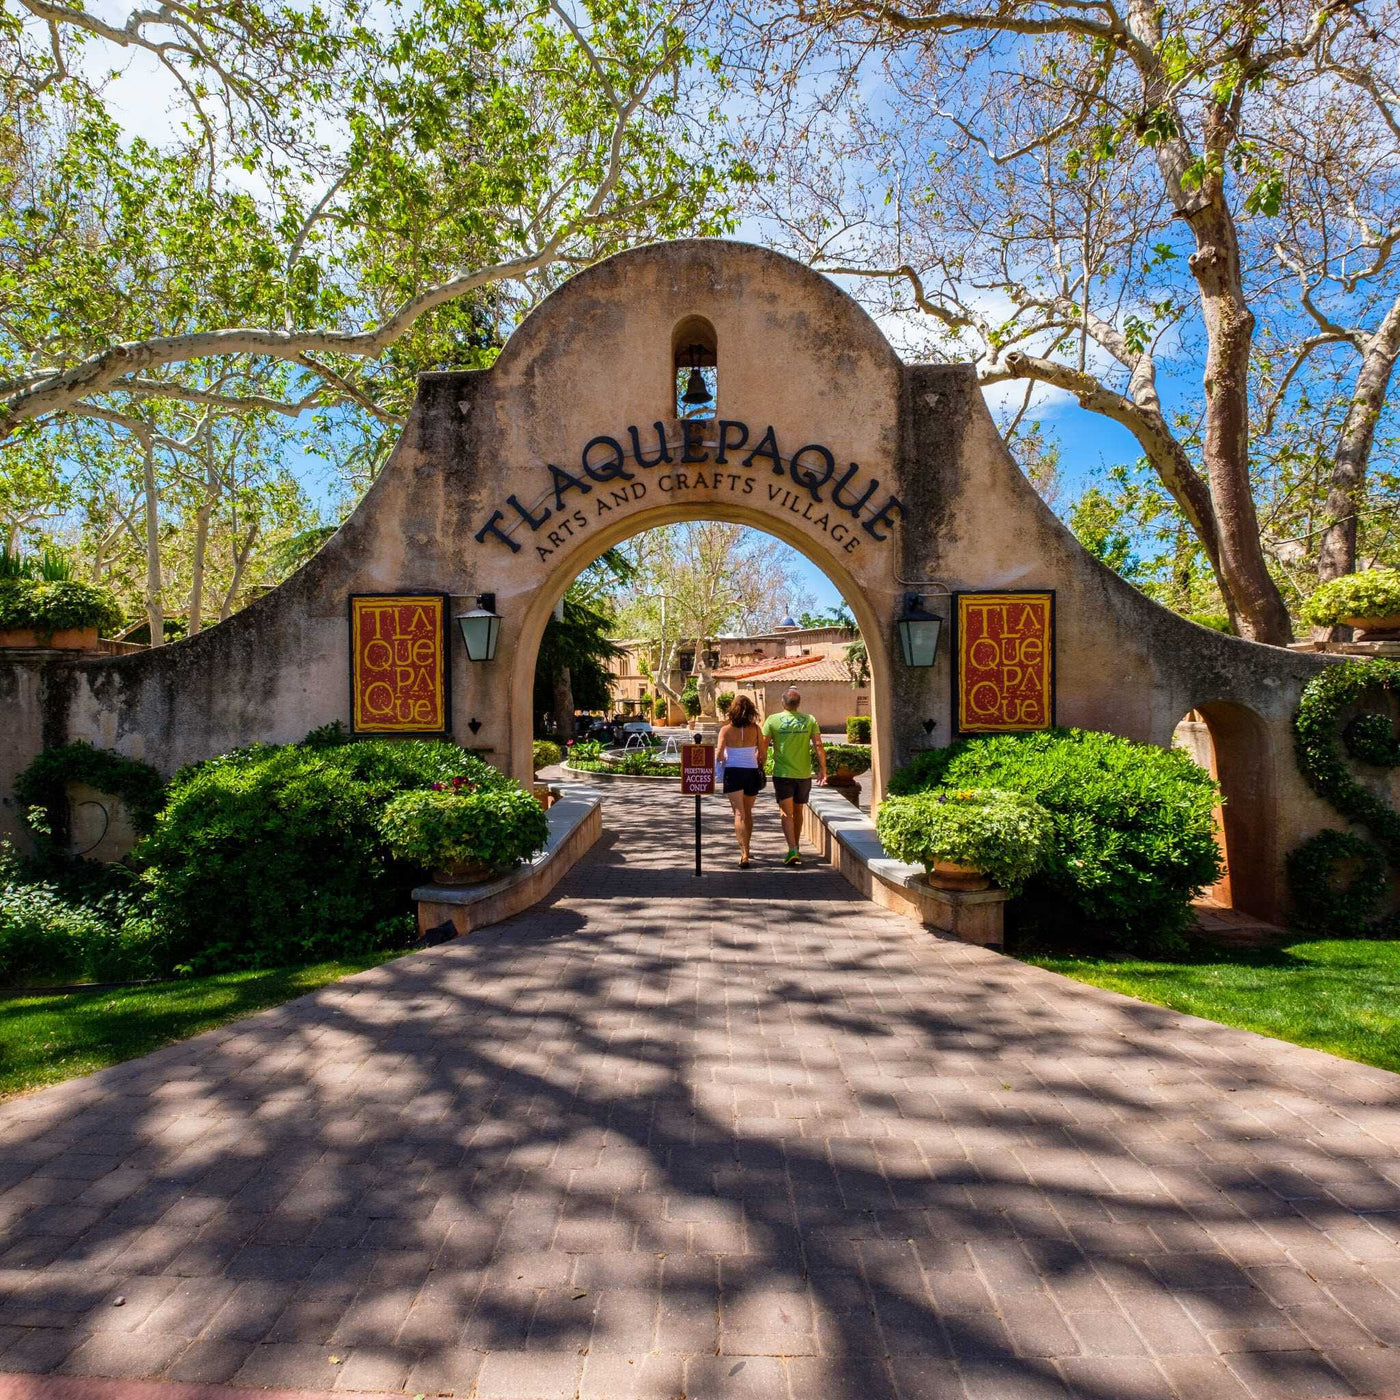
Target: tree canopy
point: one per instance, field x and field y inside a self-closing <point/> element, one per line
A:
<point x="344" y="195"/>
<point x="1107" y="199"/>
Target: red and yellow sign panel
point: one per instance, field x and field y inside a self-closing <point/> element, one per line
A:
<point x="697" y="768"/>
<point x="398" y="672"/>
<point x="1005" y="670"/>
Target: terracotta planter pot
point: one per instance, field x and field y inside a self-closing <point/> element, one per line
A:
<point x="1368" y="625"/>
<point x="463" y="872"/>
<point x="69" y="639"/>
<point x="949" y="875"/>
<point x="542" y="795"/>
<point x="845" y="783"/>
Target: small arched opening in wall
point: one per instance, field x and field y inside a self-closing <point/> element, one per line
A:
<point x="543" y="602"/>
<point x="694" y="369"/>
<point x="1230" y="742"/>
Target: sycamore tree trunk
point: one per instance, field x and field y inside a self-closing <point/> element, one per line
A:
<point x="200" y="552"/>
<point x="1195" y="182"/>
<point x="154" y="589"/>
<point x="240" y="563"/>
<point x="1336" y="553"/>
<point x="1258" y="605"/>
<point x="564" y="702"/>
<point x="197" y="557"/>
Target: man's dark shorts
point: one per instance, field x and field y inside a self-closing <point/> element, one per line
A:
<point x="799" y="789"/>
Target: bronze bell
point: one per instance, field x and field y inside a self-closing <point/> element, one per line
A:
<point x="696" y="391"/>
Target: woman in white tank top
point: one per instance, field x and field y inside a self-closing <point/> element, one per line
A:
<point x="742" y="751"/>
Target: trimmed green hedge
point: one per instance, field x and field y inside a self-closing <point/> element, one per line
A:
<point x="48" y="607"/>
<point x="274" y="855"/>
<point x="544" y="753"/>
<point x="857" y="729"/>
<point x="853" y="757"/>
<point x="1318" y="744"/>
<point x="497" y="827"/>
<point x="1134" y="830"/>
<point x="1320" y="904"/>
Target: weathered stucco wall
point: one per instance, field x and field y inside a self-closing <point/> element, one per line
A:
<point x="796" y="356"/>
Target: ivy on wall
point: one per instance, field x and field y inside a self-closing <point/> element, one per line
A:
<point x="42" y="786"/>
<point x="1323" y="747"/>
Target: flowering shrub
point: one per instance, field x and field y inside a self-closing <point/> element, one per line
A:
<point x="273" y="855"/>
<point x="1134" y="828"/>
<point x="497" y="827"/>
<point x="1005" y="835"/>
<point x="1371" y="593"/>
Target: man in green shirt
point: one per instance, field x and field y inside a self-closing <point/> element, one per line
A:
<point x="793" y="736"/>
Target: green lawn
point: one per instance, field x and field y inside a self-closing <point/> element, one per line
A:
<point x="1339" y="995"/>
<point x="47" y="1038"/>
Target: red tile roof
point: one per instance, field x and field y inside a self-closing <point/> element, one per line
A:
<point x="790" y="668"/>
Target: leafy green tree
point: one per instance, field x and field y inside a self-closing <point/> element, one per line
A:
<point x="572" y="672"/>
<point x="1091" y="196"/>
<point x="839" y="616"/>
<point x="355" y="194"/>
<point x="1127" y="521"/>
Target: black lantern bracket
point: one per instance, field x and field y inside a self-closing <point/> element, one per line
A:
<point x="918" y="631"/>
<point x="481" y="628"/>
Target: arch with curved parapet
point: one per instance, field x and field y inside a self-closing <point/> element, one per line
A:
<point x="892" y="478"/>
<point x="541" y="607"/>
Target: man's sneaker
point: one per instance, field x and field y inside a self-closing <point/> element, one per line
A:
<point x="792" y="858"/>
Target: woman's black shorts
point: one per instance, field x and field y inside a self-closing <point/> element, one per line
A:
<point x="746" y="780"/>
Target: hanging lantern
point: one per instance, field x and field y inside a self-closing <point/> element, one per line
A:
<point x="480" y="628"/>
<point x="918" y="632"/>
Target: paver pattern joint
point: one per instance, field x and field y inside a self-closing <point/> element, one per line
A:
<point x="744" y="1136"/>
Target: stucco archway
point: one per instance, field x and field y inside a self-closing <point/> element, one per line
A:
<point x="892" y="478"/>
<point x="536" y="617"/>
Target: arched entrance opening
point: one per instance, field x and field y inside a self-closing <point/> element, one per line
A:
<point x="1231" y="743"/>
<point x="542" y="605"/>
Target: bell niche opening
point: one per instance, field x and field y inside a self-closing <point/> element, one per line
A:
<point x="695" y="361"/>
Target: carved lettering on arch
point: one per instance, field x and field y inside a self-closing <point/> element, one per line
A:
<point x="699" y="460"/>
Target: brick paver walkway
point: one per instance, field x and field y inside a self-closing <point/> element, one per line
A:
<point x="747" y="1136"/>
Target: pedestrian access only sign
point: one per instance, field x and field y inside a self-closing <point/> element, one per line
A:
<point x="697" y="768"/>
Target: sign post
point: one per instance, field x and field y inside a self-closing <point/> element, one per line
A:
<point x="698" y="777"/>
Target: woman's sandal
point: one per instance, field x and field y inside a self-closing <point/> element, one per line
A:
<point x="743" y="862"/>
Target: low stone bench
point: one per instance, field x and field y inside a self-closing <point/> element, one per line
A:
<point x="846" y="837"/>
<point x="575" y="823"/>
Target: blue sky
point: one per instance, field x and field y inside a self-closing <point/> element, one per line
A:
<point x="1088" y="442"/>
